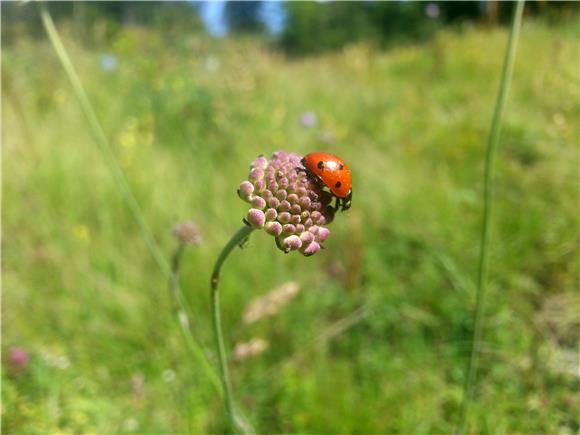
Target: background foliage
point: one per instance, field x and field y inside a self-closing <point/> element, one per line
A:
<point x="376" y="341"/>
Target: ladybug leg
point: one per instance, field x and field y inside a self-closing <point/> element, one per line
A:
<point x="347" y="200"/>
<point x="338" y="204"/>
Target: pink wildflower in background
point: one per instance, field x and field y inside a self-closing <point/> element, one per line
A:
<point x="308" y="119"/>
<point x="18" y="358"/>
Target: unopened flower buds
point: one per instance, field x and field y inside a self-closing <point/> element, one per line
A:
<point x="286" y="203"/>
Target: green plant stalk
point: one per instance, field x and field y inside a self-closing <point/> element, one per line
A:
<point x="101" y="139"/>
<point x="487" y="210"/>
<point x="183" y="319"/>
<point x="236" y="240"/>
<point x="103" y="144"/>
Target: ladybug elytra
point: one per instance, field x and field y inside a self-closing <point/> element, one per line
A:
<point x="333" y="173"/>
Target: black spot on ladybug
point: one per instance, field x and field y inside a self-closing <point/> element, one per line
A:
<point x="320" y="165"/>
<point x="341" y="167"/>
<point x="338" y="184"/>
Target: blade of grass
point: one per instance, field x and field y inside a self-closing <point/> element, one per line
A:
<point x="183" y="319"/>
<point x="102" y="142"/>
<point x="101" y="139"/>
<point x="492" y="144"/>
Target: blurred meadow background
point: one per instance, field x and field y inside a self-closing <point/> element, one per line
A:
<point x="372" y="334"/>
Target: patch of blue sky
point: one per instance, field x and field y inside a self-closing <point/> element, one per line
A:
<point x="212" y="13"/>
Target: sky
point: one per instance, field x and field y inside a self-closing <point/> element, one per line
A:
<point x="212" y="14"/>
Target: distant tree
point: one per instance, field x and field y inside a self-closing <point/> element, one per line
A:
<point x="170" y="17"/>
<point x="312" y="27"/>
<point x="244" y="16"/>
<point x="399" y="21"/>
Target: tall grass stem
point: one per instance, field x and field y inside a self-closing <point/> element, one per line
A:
<point x="241" y="235"/>
<point x="101" y="139"/>
<point x="482" y="273"/>
<point x="183" y="318"/>
<point x="102" y="142"/>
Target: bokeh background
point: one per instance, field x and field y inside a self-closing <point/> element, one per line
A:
<point x="371" y="335"/>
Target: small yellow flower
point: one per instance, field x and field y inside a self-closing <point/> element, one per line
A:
<point x="82" y="233"/>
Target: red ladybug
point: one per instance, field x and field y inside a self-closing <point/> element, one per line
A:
<point x="333" y="173"/>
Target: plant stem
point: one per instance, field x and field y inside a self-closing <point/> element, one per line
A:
<point x="487" y="209"/>
<point x="101" y="138"/>
<point x="239" y="237"/>
<point x="183" y="318"/>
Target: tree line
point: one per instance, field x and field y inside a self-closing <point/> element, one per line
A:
<point x="310" y="27"/>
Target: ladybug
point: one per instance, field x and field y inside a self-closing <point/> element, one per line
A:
<point x="331" y="171"/>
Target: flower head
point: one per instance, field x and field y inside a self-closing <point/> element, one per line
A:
<point x="286" y="203"/>
<point x="271" y="302"/>
<point x="18" y="358"/>
<point x="108" y="62"/>
<point x="187" y="233"/>
<point x="308" y="119"/>
<point x="432" y="10"/>
<point x="249" y="349"/>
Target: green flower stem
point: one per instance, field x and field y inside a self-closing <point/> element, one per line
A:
<point x="487" y="208"/>
<point x="238" y="238"/>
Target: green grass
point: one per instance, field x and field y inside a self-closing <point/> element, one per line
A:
<point x="82" y="294"/>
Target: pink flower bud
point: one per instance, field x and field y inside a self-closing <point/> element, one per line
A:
<point x="267" y="195"/>
<point x="261" y="162"/>
<point x="307" y="237"/>
<point x="284" y="206"/>
<point x="259" y="203"/>
<point x="304" y="202"/>
<point x="245" y="190"/>
<point x="260" y="186"/>
<point x="273" y="228"/>
<point x="271" y="214"/>
<point x="311" y="249"/>
<point x="256" y="218"/>
<point x="256" y="174"/>
<point x="187" y="233"/>
<point x="291" y="243"/>
<point x="292" y="198"/>
<point x="284" y="217"/>
<point x="274" y="202"/>
<point x="323" y="234"/>
<point x="302" y="191"/>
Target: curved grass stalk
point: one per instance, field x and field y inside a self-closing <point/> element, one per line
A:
<point x="103" y="144"/>
<point x="183" y="319"/>
<point x="238" y="238"/>
<point x="101" y="139"/>
<point x="487" y="209"/>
